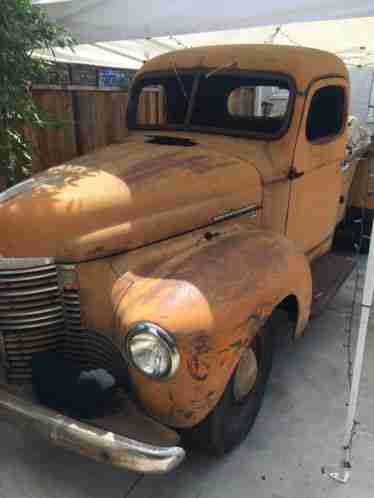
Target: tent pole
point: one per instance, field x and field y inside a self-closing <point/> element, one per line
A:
<point x="341" y="473"/>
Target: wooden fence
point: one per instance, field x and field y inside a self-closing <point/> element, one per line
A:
<point x="88" y="119"/>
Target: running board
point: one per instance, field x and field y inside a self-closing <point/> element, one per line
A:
<point x="329" y="272"/>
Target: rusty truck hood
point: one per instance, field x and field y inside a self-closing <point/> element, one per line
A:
<point x="124" y="196"/>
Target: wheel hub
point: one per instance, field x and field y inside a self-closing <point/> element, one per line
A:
<point x="245" y="375"/>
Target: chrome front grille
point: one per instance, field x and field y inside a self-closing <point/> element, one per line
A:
<point x="40" y="311"/>
<point x="31" y="313"/>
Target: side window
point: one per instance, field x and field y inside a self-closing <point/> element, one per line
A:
<point x="326" y="113"/>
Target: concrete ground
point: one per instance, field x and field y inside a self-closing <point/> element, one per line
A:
<point x="299" y="430"/>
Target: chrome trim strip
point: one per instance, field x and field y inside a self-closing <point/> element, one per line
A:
<point x="16" y="318"/>
<point x="30" y="279"/>
<point x="23" y="305"/>
<point x="41" y="290"/>
<point x="252" y="209"/>
<point x="13" y="337"/>
<point x="87" y="440"/>
<point x="38" y="325"/>
<point x="32" y="264"/>
<point x="22" y="314"/>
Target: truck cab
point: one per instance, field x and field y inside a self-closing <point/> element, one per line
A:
<point x="163" y="259"/>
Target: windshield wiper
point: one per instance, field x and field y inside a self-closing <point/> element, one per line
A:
<point x="180" y="82"/>
<point x="221" y="68"/>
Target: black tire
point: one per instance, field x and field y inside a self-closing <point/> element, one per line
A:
<point x="230" y="421"/>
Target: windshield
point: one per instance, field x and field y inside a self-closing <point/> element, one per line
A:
<point x="220" y="102"/>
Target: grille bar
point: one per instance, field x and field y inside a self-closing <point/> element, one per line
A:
<point x="26" y="276"/>
<point x="22" y="314"/>
<point x="19" y="293"/>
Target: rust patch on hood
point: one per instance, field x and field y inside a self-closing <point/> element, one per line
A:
<point x="154" y="166"/>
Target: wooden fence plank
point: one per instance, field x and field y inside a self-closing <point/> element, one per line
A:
<point x="89" y="120"/>
<point x="102" y="119"/>
<point x="55" y="145"/>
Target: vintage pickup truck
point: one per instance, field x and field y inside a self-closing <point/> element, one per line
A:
<point x="163" y="259"/>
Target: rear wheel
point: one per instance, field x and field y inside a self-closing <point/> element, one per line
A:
<point x="233" y="417"/>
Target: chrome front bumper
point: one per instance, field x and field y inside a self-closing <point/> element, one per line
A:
<point x="87" y="440"/>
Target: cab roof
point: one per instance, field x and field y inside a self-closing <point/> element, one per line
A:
<point x="302" y="64"/>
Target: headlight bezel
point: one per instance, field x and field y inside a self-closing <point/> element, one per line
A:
<point x="167" y="341"/>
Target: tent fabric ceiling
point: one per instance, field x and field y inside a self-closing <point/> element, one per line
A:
<point x="350" y="38"/>
<point x="112" y="20"/>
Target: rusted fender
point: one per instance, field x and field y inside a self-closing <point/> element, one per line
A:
<point x="213" y="298"/>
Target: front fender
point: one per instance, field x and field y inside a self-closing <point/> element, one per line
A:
<point x="212" y="297"/>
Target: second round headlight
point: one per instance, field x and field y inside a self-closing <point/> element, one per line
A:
<point x="151" y="350"/>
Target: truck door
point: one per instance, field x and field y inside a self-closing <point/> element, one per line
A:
<point x="316" y="178"/>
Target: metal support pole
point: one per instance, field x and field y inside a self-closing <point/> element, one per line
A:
<point x="341" y="473"/>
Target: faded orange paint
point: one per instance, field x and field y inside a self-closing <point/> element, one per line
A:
<point x="303" y="64"/>
<point x="214" y="297"/>
<point x="139" y="195"/>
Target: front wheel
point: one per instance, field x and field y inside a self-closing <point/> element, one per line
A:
<point x="233" y="417"/>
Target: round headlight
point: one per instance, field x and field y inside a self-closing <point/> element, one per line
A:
<point x="151" y="350"/>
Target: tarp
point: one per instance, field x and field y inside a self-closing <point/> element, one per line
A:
<point x="351" y="39"/>
<point x="124" y="33"/>
<point x="112" y="20"/>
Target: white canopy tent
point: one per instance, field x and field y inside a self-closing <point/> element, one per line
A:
<point x="111" y="20"/>
<point x="351" y="39"/>
<point x="346" y="28"/>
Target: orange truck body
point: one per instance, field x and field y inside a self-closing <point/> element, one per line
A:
<point x="204" y="241"/>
